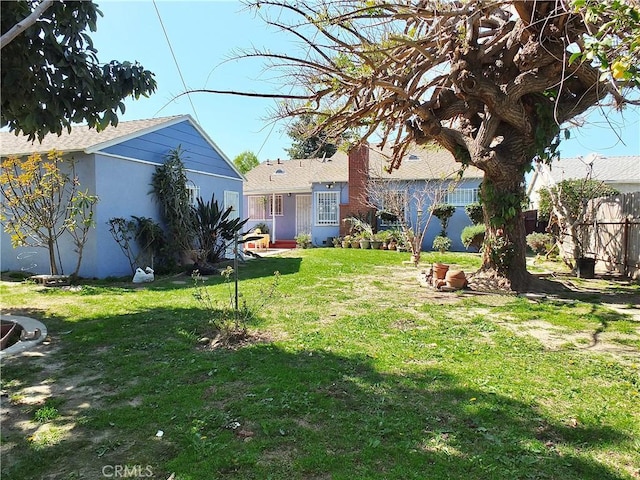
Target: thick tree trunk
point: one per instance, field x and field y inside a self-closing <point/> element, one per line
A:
<point x="505" y="243"/>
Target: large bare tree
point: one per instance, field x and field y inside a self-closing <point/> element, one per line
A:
<point x="490" y="81"/>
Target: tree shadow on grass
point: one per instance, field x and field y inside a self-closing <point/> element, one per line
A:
<point x="619" y="291"/>
<point x="270" y="411"/>
<point x="257" y="268"/>
<point x="319" y="415"/>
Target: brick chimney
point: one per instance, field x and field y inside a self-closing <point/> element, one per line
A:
<point x="358" y="178"/>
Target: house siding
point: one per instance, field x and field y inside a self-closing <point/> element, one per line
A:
<point x="457" y="222"/>
<point x="198" y="153"/>
<point x="118" y="199"/>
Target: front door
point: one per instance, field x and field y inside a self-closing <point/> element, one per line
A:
<point x="303" y="214"/>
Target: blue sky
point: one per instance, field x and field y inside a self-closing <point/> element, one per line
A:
<point x="203" y="34"/>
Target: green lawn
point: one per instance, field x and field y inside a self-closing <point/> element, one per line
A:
<point x="357" y="372"/>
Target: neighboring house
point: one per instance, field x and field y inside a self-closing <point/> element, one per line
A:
<point x="117" y="164"/>
<point x="621" y="173"/>
<point x="315" y="195"/>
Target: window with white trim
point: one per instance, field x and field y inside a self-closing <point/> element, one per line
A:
<point x="278" y="205"/>
<point x="327" y="208"/>
<point x="232" y="199"/>
<point x="193" y="192"/>
<point x="461" y="197"/>
<point x="257" y="206"/>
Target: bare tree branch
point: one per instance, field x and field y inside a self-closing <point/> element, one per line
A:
<point x="20" y="27"/>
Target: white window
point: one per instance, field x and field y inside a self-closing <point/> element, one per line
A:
<point x="394" y="204"/>
<point x="462" y="197"/>
<point x="257" y="207"/>
<point x="327" y="204"/>
<point x="278" y="205"/>
<point x="194" y="194"/>
<point x="232" y="199"/>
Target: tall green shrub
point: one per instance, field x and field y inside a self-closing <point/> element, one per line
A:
<point x="472" y="236"/>
<point x="474" y="212"/>
<point x="169" y="188"/>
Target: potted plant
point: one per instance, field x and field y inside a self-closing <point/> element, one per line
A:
<point x="261" y="228"/>
<point x="362" y="230"/>
<point x="376" y="241"/>
<point x="337" y="242"/>
<point x="365" y="242"/>
<point x="346" y="241"/>
<point x="355" y="241"/>
<point x="383" y="236"/>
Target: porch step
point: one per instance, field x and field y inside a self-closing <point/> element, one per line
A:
<point x="283" y="244"/>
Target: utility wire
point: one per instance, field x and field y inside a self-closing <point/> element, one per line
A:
<point x="184" y="84"/>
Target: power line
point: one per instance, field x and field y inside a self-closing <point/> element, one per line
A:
<point x="184" y="84"/>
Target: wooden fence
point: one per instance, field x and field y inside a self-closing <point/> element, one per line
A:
<point x="613" y="234"/>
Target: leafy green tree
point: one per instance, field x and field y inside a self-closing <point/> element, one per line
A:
<point x="246" y="161"/>
<point x="443" y="212"/>
<point x="50" y="74"/>
<point x="609" y="20"/>
<point x="307" y="142"/>
<point x="491" y="82"/>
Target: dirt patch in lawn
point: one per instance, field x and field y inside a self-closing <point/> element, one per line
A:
<point x="44" y="413"/>
<point x="557" y="338"/>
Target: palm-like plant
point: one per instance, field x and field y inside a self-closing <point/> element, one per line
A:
<point x="214" y="230"/>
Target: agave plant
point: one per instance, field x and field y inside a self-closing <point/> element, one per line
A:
<point x="214" y="230"/>
<point x="360" y="227"/>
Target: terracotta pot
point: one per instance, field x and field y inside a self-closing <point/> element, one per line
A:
<point x="456" y="279"/>
<point x="440" y="270"/>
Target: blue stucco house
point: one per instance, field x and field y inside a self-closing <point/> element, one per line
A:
<point x="315" y="195"/>
<point x="116" y="164"/>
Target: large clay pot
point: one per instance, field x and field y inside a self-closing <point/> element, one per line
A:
<point x="440" y="270"/>
<point x="456" y="279"/>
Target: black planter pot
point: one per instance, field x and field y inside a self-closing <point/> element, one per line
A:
<point x="586" y="267"/>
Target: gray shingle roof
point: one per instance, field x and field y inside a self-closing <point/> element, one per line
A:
<point x="605" y="168"/>
<point x="299" y="175"/>
<point x="81" y="137"/>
